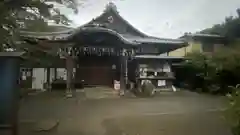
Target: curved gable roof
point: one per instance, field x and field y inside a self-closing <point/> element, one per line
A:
<point x="117" y="25"/>
<point x="124" y="28"/>
<point x="120" y="24"/>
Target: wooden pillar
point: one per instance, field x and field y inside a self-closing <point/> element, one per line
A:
<point x="48" y="78"/>
<point x="124" y="70"/>
<point x="69" y="68"/>
<point x="55" y="73"/>
<point x="73" y="73"/>
<point x="122" y="80"/>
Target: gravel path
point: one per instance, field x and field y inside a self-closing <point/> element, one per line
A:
<point x="181" y="113"/>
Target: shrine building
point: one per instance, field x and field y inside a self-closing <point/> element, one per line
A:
<point x="104" y="50"/>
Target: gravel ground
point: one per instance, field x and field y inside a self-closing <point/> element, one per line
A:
<point x="180" y="113"/>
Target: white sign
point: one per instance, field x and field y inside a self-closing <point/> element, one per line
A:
<point x="24" y="77"/>
<point x="161" y="82"/>
<point x="116" y="85"/>
<point x="166" y="68"/>
<point x="113" y="66"/>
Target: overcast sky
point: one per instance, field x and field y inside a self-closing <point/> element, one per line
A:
<point x="162" y="18"/>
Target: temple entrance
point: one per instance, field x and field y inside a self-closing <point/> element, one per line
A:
<point x="95" y="75"/>
<point x="97" y="70"/>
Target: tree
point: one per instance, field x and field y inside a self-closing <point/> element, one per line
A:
<point x="238" y="12"/>
<point x="207" y="70"/>
<point x="29" y="14"/>
<point x="32" y="15"/>
<point x="229" y="28"/>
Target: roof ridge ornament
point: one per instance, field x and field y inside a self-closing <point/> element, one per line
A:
<point x="111" y="6"/>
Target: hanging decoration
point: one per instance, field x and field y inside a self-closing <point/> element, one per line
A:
<point x="96" y="51"/>
<point x="110" y="19"/>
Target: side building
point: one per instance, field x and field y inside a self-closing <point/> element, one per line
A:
<point x="202" y="43"/>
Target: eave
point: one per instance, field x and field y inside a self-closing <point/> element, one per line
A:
<point x="158" y="57"/>
<point x="11" y="54"/>
<point x="106" y="31"/>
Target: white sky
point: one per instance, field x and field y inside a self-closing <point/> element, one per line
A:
<point x="162" y="18"/>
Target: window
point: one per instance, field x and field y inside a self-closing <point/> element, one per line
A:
<point x="218" y="46"/>
<point x="150" y="73"/>
<point x="26" y="72"/>
<point x="207" y="47"/>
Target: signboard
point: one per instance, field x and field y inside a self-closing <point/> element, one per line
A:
<point x="161" y="82"/>
<point x="99" y="51"/>
<point x="116" y="85"/>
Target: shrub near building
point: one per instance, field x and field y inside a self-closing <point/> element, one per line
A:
<point x="213" y="73"/>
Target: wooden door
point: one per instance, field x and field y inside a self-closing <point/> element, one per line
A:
<point x="95" y="75"/>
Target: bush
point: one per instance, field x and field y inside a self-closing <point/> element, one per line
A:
<point x="144" y="90"/>
<point x="233" y="111"/>
<point x="148" y="88"/>
<point x="213" y="73"/>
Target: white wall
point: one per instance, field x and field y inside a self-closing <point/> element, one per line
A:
<point x="52" y="74"/>
<point x="164" y="54"/>
<point x="62" y="73"/>
<point x="38" y="78"/>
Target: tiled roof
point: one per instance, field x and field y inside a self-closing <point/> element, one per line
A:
<point x="154" y="40"/>
<point x="158" y="57"/>
<point x="11" y="54"/>
<point x="203" y="35"/>
<point x="130" y="38"/>
<point x="127" y="37"/>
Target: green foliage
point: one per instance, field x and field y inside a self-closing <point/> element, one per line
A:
<point x="213" y="73"/>
<point x="230" y="28"/>
<point x="198" y="69"/>
<point x="29" y="14"/>
<point x="147" y="89"/>
<point x="232" y="114"/>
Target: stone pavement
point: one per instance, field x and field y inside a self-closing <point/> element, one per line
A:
<point x="100" y="92"/>
<point x="181" y="113"/>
